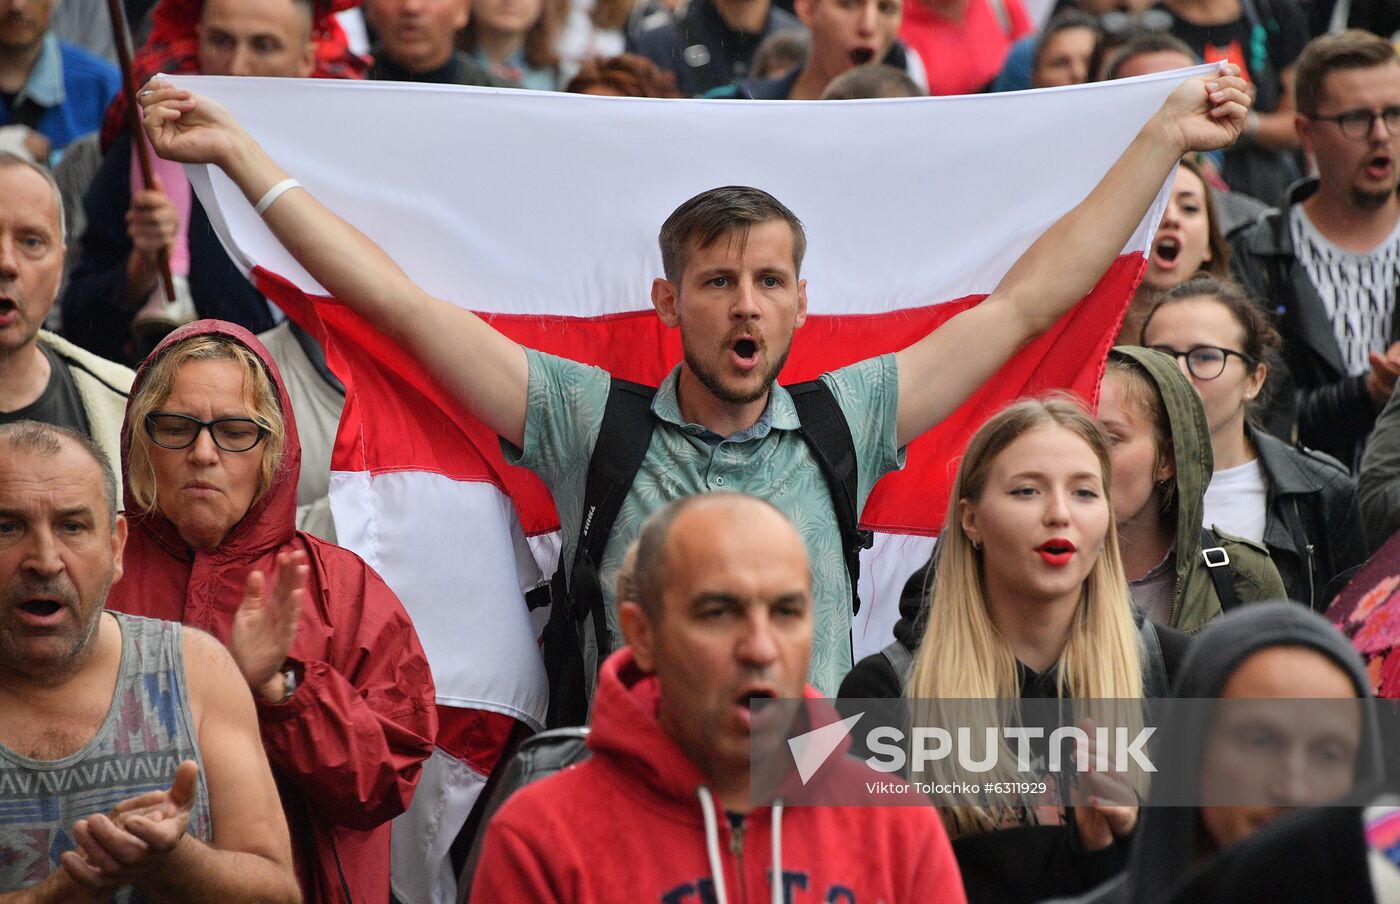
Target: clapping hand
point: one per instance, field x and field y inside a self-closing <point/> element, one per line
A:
<point x="1100" y="810"/>
<point x="266" y="625"/>
<point x="137" y="837"/>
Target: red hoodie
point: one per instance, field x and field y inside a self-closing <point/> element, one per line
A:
<point x="347" y="749"/>
<point x="636" y="823"/>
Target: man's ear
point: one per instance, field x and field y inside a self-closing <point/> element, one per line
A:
<point x="664" y="298"/>
<point x="803" y="10"/>
<point x="118" y="546"/>
<point x="801" y="317"/>
<point x="639" y="633"/>
<point x="463" y="16"/>
<point x="1304" y="125"/>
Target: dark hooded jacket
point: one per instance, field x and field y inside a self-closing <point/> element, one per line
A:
<point x="1252" y="573"/>
<point x="347" y="748"/>
<point x="1168" y="837"/>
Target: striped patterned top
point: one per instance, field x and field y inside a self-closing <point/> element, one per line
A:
<point x="1358" y="288"/>
<point x="148" y="731"/>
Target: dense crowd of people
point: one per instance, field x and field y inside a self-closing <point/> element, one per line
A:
<point x="203" y="697"/>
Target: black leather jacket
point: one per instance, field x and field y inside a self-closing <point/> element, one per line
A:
<point x="1334" y="411"/>
<point x="1312" y="525"/>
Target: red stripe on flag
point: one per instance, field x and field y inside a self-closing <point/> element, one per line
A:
<point x="398" y="418"/>
<point x="474" y="736"/>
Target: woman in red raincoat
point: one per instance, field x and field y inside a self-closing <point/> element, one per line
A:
<point x="344" y="696"/>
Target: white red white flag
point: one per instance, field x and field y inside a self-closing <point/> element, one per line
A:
<point x="541" y="212"/>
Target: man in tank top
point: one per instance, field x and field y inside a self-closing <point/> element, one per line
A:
<point x="123" y="775"/>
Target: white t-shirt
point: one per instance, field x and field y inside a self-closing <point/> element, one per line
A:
<point x="1358" y="288"/>
<point x="1237" y="500"/>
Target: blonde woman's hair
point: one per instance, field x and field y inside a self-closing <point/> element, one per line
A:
<point x="963" y="656"/>
<point x="155" y="388"/>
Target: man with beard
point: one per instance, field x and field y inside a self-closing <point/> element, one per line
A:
<point x="731" y="258"/>
<point x="123" y="775"/>
<point x="1329" y="262"/>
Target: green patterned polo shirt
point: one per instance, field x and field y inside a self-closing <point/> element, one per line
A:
<point x="771" y="460"/>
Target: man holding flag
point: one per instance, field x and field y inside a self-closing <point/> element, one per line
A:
<point x="732" y="287"/>
<point x="412" y="470"/>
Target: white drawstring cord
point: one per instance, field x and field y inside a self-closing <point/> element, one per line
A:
<point x="778" y="851"/>
<point x="707" y="809"/>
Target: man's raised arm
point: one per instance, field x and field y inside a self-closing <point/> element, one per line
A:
<point x="939" y="372"/>
<point x="483" y="370"/>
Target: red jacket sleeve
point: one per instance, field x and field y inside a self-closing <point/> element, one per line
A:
<point x="354" y="735"/>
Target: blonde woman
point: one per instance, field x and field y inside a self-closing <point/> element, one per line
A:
<point x="1030" y="601"/>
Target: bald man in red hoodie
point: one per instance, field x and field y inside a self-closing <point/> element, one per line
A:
<point x="722" y="614"/>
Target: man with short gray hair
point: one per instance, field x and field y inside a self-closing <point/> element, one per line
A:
<point x="43" y="377"/>
<point x="131" y="766"/>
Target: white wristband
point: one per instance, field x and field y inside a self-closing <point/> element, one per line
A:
<point x="274" y="193"/>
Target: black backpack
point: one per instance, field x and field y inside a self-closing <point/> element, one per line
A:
<point x="576" y="592"/>
<point x="538" y="757"/>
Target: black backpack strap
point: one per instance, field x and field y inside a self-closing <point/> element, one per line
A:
<point x="824" y="427"/>
<point x="1218" y="564"/>
<point x="622" y="443"/>
<point x="577" y="593"/>
<point x="1155" y="685"/>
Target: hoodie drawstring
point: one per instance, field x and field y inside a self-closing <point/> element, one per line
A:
<point x="707" y="811"/>
<point x="777" y="852"/>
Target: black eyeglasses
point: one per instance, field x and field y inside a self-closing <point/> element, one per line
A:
<point x="1205" y="362"/>
<point x="179" y="431"/>
<point x="1357" y="124"/>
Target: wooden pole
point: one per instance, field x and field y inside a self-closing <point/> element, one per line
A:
<point x="122" y="38"/>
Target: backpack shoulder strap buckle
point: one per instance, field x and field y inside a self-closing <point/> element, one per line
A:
<point x="1215" y="557"/>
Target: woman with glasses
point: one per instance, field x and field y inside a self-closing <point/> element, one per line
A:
<point x="344" y="698"/>
<point x="1180" y="572"/>
<point x="1299" y="503"/>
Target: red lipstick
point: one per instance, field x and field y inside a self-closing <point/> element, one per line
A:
<point x="1056" y="551"/>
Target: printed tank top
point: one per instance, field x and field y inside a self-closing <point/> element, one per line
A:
<point x="147" y="732"/>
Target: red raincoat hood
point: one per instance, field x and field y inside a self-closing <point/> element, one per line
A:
<point x="271" y="521"/>
<point x="347" y="749"/>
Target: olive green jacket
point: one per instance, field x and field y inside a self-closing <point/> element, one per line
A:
<point x="1252" y="572"/>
